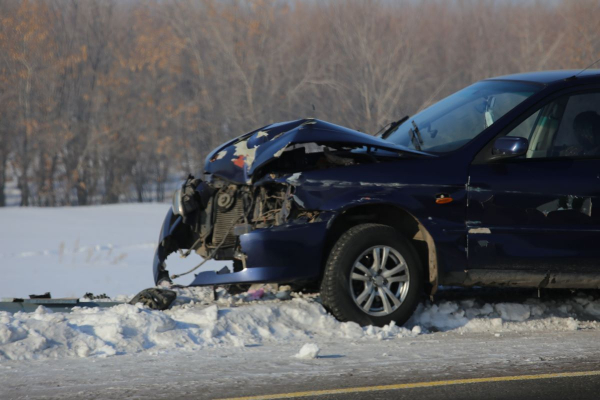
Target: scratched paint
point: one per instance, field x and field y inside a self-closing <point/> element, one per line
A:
<point x="480" y="231"/>
<point x="242" y="150"/>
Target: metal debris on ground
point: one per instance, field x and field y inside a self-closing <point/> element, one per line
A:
<point x="155" y="298"/>
<point x="46" y="295"/>
<point x="92" y="296"/>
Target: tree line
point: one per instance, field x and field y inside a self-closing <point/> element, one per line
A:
<point x="103" y="101"/>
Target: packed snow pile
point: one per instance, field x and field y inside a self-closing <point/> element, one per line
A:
<point x="130" y="329"/>
<point x="470" y="315"/>
<point x="198" y="320"/>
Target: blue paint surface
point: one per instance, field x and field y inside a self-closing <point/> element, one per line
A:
<point x="510" y="214"/>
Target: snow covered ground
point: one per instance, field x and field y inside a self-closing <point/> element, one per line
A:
<point x="198" y="322"/>
<point x="69" y="251"/>
<point x="288" y="336"/>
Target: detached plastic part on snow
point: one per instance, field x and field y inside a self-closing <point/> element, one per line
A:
<point x="14" y="305"/>
<point x="155" y="298"/>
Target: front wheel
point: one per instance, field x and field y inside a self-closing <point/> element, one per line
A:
<point x="373" y="276"/>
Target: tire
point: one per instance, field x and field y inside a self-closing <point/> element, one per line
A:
<point x="344" y="280"/>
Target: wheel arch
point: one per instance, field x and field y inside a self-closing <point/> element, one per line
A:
<point x="398" y="218"/>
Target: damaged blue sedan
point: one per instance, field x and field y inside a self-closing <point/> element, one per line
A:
<point x="492" y="186"/>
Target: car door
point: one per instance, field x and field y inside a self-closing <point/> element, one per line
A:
<point x="541" y="211"/>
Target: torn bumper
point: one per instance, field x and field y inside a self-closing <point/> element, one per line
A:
<point x="282" y="254"/>
<point x="169" y="226"/>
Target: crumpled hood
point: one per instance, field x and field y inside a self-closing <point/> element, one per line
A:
<point x="238" y="159"/>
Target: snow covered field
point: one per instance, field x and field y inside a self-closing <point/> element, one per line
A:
<point x="109" y="249"/>
<point x="70" y="251"/>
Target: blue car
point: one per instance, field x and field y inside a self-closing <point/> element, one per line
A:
<point x="494" y="185"/>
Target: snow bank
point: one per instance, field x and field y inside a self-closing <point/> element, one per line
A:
<point x="472" y="315"/>
<point x="131" y="329"/>
<point x="198" y="321"/>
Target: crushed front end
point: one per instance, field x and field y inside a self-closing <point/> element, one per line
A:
<point x="269" y="237"/>
<point x="253" y="209"/>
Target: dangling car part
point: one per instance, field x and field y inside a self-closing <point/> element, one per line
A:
<point x="470" y="191"/>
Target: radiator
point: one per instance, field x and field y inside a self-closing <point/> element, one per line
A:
<point x="224" y="224"/>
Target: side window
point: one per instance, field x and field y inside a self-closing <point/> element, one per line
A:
<point x="525" y="128"/>
<point x="567" y="127"/>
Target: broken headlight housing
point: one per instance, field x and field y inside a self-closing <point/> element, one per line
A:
<point x="177" y="203"/>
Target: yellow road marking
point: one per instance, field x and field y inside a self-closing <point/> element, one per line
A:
<point x="416" y="385"/>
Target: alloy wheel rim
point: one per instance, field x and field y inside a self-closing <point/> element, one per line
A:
<point x="379" y="280"/>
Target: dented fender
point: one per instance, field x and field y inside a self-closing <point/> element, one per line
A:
<point x="392" y="184"/>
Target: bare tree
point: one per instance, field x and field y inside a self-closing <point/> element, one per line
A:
<point x="104" y="101"/>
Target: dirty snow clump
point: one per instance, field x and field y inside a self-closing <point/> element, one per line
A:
<point x="309" y="351"/>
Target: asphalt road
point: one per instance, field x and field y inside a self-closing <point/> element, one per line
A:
<point x="583" y="388"/>
<point x="546" y="386"/>
<point x="270" y="371"/>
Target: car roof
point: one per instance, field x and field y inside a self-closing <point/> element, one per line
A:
<point x="546" y="77"/>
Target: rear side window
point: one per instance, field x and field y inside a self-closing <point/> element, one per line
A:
<point x="566" y="127"/>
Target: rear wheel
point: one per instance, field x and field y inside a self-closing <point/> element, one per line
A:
<point x="373" y="276"/>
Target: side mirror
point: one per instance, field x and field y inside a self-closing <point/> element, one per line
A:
<point x="509" y="146"/>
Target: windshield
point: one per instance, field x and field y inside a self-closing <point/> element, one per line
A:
<point x="455" y="120"/>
